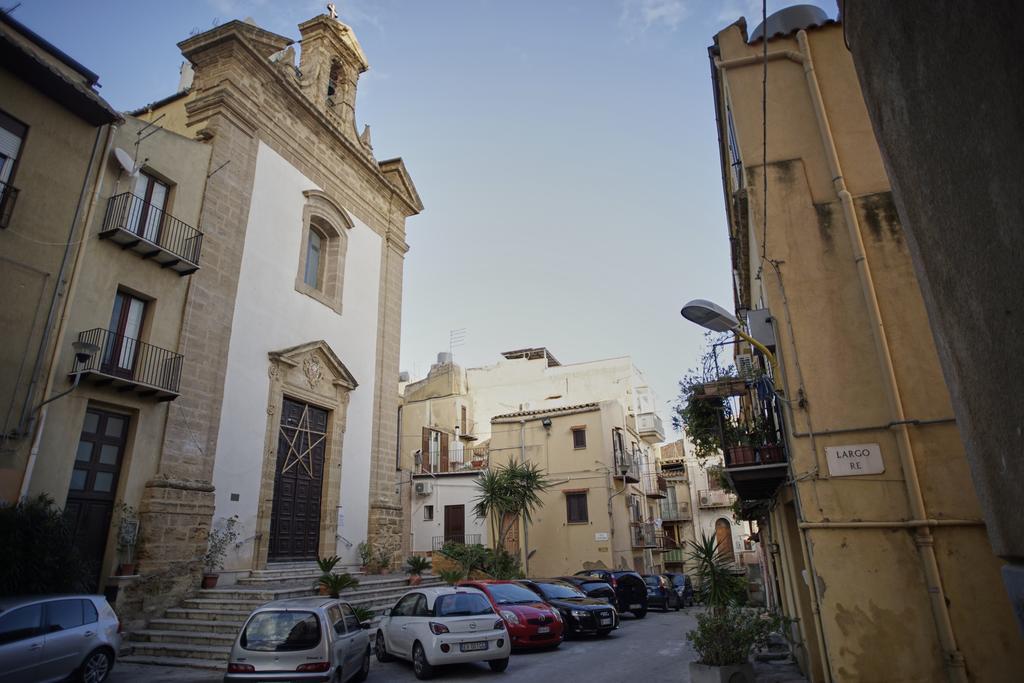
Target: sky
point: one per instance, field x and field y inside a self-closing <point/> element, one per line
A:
<point x="565" y="151"/>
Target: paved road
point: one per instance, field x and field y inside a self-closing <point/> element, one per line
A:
<point x="653" y="649"/>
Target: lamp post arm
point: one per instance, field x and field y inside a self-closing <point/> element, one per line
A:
<point x="763" y="349"/>
<point x="74" y="385"/>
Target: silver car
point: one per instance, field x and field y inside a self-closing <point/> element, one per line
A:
<point x="55" y="637"/>
<point x="301" y="639"/>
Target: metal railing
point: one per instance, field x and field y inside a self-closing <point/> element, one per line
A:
<point x="655" y="485"/>
<point x="8" y="196"/>
<point x="643" y="535"/>
<point x="132" y="360"/>
<point x="672" y="512"/>
<point x="464" y="539"/>
<point x="674" y="556"/>
<point x="137" y="216"/>
<point x="628" y="463"/>
<point x="650" y="423"/>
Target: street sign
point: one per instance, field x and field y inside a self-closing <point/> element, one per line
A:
<point x="601" y="536"/>
<point x="854" y="460"/>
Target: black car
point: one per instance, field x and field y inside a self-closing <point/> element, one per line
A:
<point x="581" y="615"/>
<point x="594" y="588"/>
<point x="630" y="589"/>
<point x="661" y="593"/>
<point x="683" y="587"/>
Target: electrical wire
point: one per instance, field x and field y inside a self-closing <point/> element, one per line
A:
<point x="764" y="128"/>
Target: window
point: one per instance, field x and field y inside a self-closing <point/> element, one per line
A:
<point x="351" y="620"/>
<point x="428" y="513"/>
<point x="332" y="81"/>
<point x="12" y="137"/>
<point x="280" y="631"/>
<point x="314" y="245"/>
<point x="153" y="194"/>
<point x="462" y="605"/>
<point x="123" y="341"/>
<point x="62" y="615"/>
<point x="406" y="606"/>
<point x="576" y="508"/>
<point x="579" y="437"/>
<point x="323" y="245"/>
<point x="434" y="453"/>
<point x="21" y="624"/>
<point x="335" y="619"/>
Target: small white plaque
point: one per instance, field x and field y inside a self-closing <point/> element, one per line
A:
<point x="601" y="536"/>
<point x="849" y="461"/>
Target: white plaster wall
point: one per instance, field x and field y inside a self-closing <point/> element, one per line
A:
<point x="457" y="489"/>
<point x="271" y="315"/>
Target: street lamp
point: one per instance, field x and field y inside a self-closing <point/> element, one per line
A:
<point x="711" y="316"/>
<point x="84" y="351"/>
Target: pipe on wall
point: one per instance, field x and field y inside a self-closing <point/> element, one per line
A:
<point x="954" y="660"/>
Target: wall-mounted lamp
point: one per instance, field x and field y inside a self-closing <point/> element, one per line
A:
<point x="546" y="422"/>
<point x="84" y="351"/>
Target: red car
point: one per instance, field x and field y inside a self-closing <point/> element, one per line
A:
<point x="531" y="623"/>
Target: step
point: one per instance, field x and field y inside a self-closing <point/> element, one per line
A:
<point x="175" y="661"/>
<point x="150" y="635"/>
<point x="193" y="625"/>
<point x="223" y="615"/>
<point x="222" y="604"/>
<point x="262" y="578"/>
<point x="215" y="653"/>
<point x="260" y="594"/>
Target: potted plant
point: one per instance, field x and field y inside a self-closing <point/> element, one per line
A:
<point x="365" y="557"/>
<point x="326" y="565"/>
<point x="382" y="562"/>
<point x="335" y="583"/>
<point x="217" y="542"/>
<point x="726" y="633"/>
<point x="415" y="566"/>
<point x="127" y="536"/>
<point x="363" y="614"/>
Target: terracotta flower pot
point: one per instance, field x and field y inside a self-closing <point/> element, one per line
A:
<point x="126" y="569"/>
<point x="740" y="455"/>
<point x="210" y="580"/>
<point x="415" y="579"/>
<point x="770" y="454"/>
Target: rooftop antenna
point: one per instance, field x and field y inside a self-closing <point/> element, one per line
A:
<point x="456" y="338"/>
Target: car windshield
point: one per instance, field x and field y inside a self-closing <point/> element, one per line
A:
<point x="560" y="590"/>
<point x="462" y="605"/>
<point x="678" y="580"/>
<point x="511" y="594"/>
<point x="281" y="631"/>
<point x="652" y="581"/>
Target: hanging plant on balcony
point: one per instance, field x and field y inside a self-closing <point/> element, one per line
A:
<point x="707" y="419"/>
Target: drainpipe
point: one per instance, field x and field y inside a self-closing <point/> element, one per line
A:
<point x="954" y="659"/>
<point x="526" y="526"/>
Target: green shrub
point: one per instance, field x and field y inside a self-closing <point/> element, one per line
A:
<point x="728" y="636"/>
<point x="416" y="565"/>
<point x="327" y="564"/>
<point x="363" y="614"/>
<point x="335" y="583"/>
<point x="39" y="552"/>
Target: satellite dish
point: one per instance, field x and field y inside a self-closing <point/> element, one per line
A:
<point x="125" y="159"/>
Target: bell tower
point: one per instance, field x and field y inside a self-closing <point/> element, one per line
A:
<point x="331" y="62"/>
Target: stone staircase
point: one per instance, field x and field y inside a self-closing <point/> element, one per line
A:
<point x="199" y="633"/>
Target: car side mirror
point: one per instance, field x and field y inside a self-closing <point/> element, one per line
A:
<point x="387" y="612"/>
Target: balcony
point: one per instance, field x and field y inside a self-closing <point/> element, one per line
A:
<point x="449" y="460"/>
<point x="674" y="512"/>
<point x="132" y="223"/>
<point x="8" y="196"/>
<point x="756" y="472"/>
<point x="715" y="498"/>
<point x="439" y="542"/>
<point x="677" y="556"/>
<point x="627" y="462"/>
<point x="655" y="486"/>
<point x="643" y="535"/>
<point x="130" y="365"/>
<point x="650" y="428"/>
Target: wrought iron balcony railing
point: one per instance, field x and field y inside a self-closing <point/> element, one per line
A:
<point x="132" y="365"/>
<point x="677" y="556"/>
<point x="643" y="535"/>
<point x="674" y="512"/>
<point x="135" y="224"/>
<point x="465" y="539"/>
<point x="655" y="486"/>
<point x="8" y="196"/>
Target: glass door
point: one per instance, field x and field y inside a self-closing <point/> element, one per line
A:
<point x="153" y="194"/>
<point x="123" y="338"/>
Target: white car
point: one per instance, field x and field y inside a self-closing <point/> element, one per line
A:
<point x="443" y="625"/>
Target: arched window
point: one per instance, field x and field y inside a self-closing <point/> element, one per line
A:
<point x="333" y="80"/>
<point x="321" y="272"/>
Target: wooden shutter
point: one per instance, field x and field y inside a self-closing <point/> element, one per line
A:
<point x="425" y="451"/>
<point x="444" y="452"/>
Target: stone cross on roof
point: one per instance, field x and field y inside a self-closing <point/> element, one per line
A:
<point x="332" y="10"/>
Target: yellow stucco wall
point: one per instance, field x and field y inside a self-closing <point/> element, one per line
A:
<point x="876" y="617"/>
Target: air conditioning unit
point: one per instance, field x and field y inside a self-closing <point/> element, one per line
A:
<point x="745" y="365"/>
<point x="424" y="488"/>
<point x="703" y="499"/>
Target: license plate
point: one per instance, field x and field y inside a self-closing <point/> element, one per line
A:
<point x="543" y="629"/>
<point x="606" y="622"/>
<point x="635" y="606"/>
<point x="471" y="647"/>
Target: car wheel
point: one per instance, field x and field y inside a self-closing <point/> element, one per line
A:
<point x="498" y="665"/>
<point x="382" y="650"/>
<point x="420" y="666"/>
<point x="640" y="613"/>
<point x="678" y="603"/>
<point x="96" y="666"/>
<point x="364" y="670"/>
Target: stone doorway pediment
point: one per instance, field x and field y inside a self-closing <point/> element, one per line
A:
<point x="317" y="363"/>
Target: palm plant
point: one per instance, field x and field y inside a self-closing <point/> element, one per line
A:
<point x="509" y="493"/>
<point x="416" y="565"/>
<point x="452" y="576"/>
<point x="326" y="564"/>
<point x="335" y="583"/>
<point x="363" y="614"/>
<point x="719" y="586"/>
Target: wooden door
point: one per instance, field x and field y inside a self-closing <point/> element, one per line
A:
<point x="90" y="501"/>
<point x="298" y="483"/>
<point x="454" y="523"/>
<point x="723" y="538"/>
